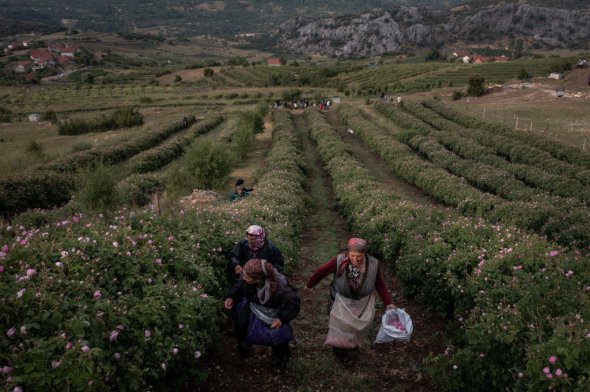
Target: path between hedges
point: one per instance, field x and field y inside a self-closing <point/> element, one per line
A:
<point x="313" y="367"/>
<point x="379" y="168"/>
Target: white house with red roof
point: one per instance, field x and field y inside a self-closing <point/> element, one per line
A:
<point x="273" y="62"/>
<point x="25" y="66"/>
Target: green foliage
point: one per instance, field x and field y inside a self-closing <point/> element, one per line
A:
<point x="165" y="153"/>
<point x="457" y="95"/>
<point x="206" y="166"/>
<point x="5" y="114"/>
<point x="35" y="148"/>
<point x="97" y="188"/>
<point x="29" y="190"/>
<point x="523" y="75"/>
<point x="81" y="146"/>
<point x="476" y="86"/>
<point x="120" y="118"/>
<point x="208" y="72"/>
<point x="146" y="100"/>
<point x="50" y="115"/>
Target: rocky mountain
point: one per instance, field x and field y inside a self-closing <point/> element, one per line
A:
<point x="403" y="28"/>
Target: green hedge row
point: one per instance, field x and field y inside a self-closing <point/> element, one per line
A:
<point x="120" y="118"/>
<point x="561" y="220"/>
<point x="157" y="157"/>
<point x="467" y="148"/>
<point x="118" y="153"/>
<point x="482" y="176"/>
<point x="518" y="304"/>
<point x="514" y="146"/>
<point x="557" y="150"/>
<point x="34" y="189"/>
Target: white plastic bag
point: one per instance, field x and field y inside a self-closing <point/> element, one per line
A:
<point x="396" y="326"/>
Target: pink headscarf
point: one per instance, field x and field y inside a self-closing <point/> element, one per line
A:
<point x="257" y="236"/>
<point x="354" y="245"/>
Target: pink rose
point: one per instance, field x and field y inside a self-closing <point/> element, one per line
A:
<point x="17" y="389"/>
<point x="558" y="372"/>
<point x="553" y="253"/>
<point x="85" y="349"/>
<point x="1" y="268"/>
<point x="117" y="356"/>
<point x="552" y="359"/>
<point x="69" y="346"/>
<point x="147" y="333"/>
<point x="5" y="248"/>
<point x="175" y="350"/>
<point x="546" y="370"/>
<point x="197" y="354"/>
<point x="97" y="294"/>
<point x="113" y="336"/>
<point x="20" y="293"/>
<point x="55" y="364"/>
<point x="31" y="272"/>
<point x="549" y="376"/>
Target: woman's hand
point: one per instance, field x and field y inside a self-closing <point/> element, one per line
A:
<point x="276" y="323"/>
<point x="391" y="307"/>
<point x="228" y="304"/>
<point x="238" y="269"/>
<point x="306" y="289"/>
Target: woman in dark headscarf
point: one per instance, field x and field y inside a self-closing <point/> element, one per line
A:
<point x="255" y="246"/>
<point x="357" y="275"/>
<point x="265" y="294"/>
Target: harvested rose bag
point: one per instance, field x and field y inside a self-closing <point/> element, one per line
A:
<point x="396" y="326"/>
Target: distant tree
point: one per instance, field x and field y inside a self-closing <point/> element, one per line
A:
<point x="433" y="55"/>
<point x="34" y="148"/>
<point x="208" y="72"/>
<point x="50" y="115"/>
<point x="523" y="75"/>
<point x="5" y="114"/>
<point x="177" y="78"/>
<point x="283" y="60"/>
<point x="476" y="86"/>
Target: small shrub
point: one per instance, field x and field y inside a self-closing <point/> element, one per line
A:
<point x="457" y="95"/>
<point x="35" y="148"/>
<point x="145" y="100"/>
<point x="81" y="146"/>
<point x="208" y="72"/>
<point x="98" y="188"/>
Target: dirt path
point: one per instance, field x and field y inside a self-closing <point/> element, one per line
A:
<point x="313" y="367"/>
<point x="377" y="166"/>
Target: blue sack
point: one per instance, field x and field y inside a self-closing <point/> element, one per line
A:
<point x="262" y="334"/>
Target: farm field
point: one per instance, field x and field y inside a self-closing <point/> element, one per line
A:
<point x="481" y="225"/>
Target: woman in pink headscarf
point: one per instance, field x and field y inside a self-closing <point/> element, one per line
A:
<point x="255" y="246"/>
<point x="357" y="276"/>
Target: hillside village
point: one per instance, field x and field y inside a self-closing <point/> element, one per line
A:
<point x="36" y="59"/>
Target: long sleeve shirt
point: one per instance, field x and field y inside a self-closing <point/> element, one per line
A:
<point x="330" y="268"/>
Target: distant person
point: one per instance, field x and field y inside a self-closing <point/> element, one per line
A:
<point x="399" y="100"/>
<point x="240" y="191"/>
<point x="255" y="246"/>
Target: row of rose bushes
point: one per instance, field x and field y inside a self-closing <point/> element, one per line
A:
<point x="155" y="158"/>
<point x="53" y="184"/>
<point x="519" y="305"/>
<point x="557" y="150"/>
<point x="133" y="300"/>
<point x="561" y="221"/>
<point x="468" y="145"/>
<point x="511" y="146"/>
<point x="469" y="148"/>
<point x="118" y="153"/>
